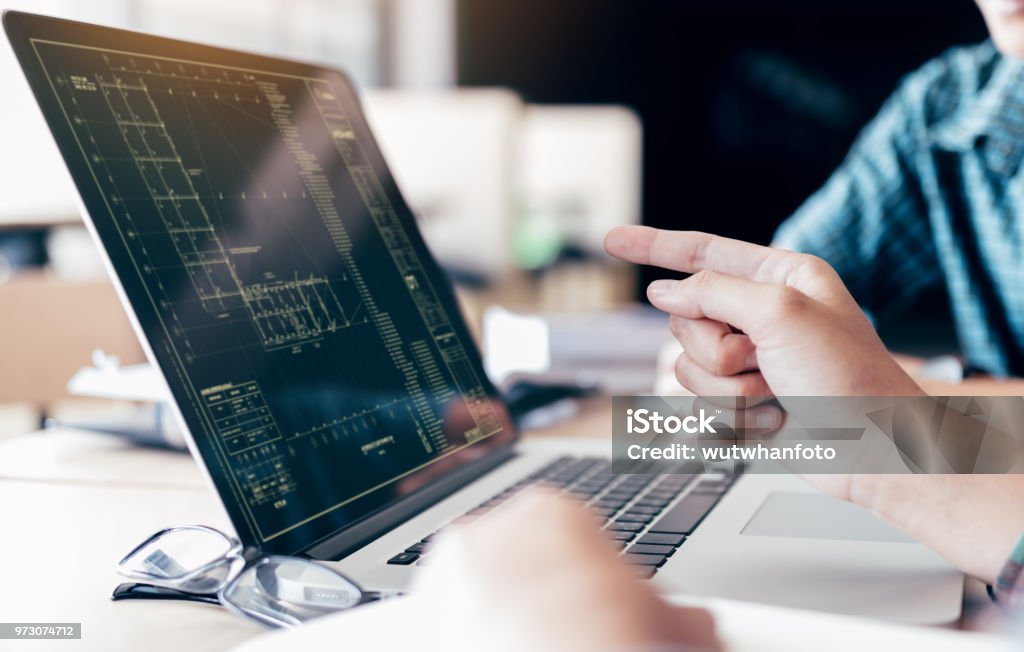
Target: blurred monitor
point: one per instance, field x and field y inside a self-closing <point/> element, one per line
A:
<point x="453" y="157"/>
<point x="581" y="166"/>
<point x="34" y="183"/>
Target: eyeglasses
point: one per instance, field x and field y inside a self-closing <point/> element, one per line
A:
<point x="201" y="564"/>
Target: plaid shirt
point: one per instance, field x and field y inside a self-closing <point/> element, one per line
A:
<point x="933" y="193"/>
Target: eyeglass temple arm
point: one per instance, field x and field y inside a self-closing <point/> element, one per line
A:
<point x="140" y="591"/>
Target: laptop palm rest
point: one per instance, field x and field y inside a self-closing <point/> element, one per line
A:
<point x="816" y="516"/>
<point x="775" y="540"/>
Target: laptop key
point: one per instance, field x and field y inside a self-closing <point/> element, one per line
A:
<point x="620" y="495"/>
<point x="616" y="526"/>
<point x="416" y="547"/>
<point x="655" y="501"/>
<point x="711" y="487"/>
<point x="685" y="515"/>
<point x="620" y="535"/>
<point x="404" y="558"/>
<point x="645" y="560"/>
<point x="640" y="509"/>
<point x="662" y="539"/>
<point x="635" y="518"/>
<point x="651" y="549"/>
<point x="648" y="502"/>
<point x="658" y="492"/>
<point x="708" y="492"/>
<point x="677" y="481"/>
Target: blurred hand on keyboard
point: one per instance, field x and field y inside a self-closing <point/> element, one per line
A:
<point x="537" y="574"/>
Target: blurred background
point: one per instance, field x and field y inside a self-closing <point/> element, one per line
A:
<point x="519" y="131"/>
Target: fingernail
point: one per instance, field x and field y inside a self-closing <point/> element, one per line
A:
<point x="768" y="418"/>
<point x="661" y="288"/>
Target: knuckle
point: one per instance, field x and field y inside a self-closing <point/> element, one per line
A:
<point x="733" y="355"/>
<point x="677" y="326"/>
<point x="814" y="268"/>
<point x="682" y="370"/>
<point x="720" y="359"/>
<point x="704" y="279"/>
<point x="815" y="264"/>
<point x="789" y="302"/>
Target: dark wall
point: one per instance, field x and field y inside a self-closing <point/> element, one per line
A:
<point x="747" y="105"/>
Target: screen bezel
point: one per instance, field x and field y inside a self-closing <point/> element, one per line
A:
<point x="21" y="29"/>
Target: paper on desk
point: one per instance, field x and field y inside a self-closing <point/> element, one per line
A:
<point x="743" y="627"/>
<point x="139" y="382"/>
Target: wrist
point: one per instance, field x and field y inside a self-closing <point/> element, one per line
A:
<point x="889" y="497"/>
<point x="864" y="490"/>
<point x="933" y="509"/>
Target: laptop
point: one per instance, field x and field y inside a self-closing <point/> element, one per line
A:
<point x="318" y="361"/>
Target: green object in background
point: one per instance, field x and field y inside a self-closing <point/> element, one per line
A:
<point x="536" y="241"/>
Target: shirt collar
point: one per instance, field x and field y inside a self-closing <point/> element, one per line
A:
<point x="994" y="120"/>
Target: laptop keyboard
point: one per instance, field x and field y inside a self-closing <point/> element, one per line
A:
<point x="645" y="516"/>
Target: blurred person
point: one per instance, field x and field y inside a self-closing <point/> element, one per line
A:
<point x="930" y="196"/>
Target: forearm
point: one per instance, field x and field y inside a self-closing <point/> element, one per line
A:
<point x="973" y="521"/>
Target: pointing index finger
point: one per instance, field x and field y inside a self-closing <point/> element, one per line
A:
<point x="693" y="251"/>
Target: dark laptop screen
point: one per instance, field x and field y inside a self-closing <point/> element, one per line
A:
<point x="307" y="335"/>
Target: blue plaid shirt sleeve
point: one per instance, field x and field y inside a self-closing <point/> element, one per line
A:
<point x="870" y="220"/>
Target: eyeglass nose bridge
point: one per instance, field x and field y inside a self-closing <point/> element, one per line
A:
<point x="251" y="554"/>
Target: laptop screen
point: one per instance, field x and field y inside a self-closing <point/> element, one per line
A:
<point x="309" y="339"/>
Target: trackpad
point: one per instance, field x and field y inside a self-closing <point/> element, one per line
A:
<point x="816" y="516"/>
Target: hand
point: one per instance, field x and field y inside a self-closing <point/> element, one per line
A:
<point x="538" y="575"/>
<point x="756" y="321"/>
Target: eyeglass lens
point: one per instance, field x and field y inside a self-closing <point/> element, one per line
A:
<point x="284" y="591"/>
<point x="173" y="557"/>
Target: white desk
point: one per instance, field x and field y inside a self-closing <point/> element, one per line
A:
<point x="72" y="504"/>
